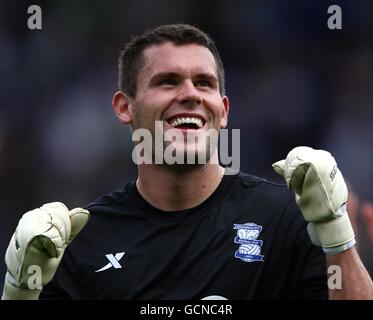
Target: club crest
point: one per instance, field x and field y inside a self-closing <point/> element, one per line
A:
<point x="250" y="248"/>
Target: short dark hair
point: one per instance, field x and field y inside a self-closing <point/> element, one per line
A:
<point x="131" y="57"/>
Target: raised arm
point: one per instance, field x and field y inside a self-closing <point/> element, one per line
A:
<point x="321" y="194"/>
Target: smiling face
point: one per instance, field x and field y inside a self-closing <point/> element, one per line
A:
<point x="177" y="85"/>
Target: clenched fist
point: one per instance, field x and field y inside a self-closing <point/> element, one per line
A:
<point x="321" y="194"/>
<point x="40" y="239"/>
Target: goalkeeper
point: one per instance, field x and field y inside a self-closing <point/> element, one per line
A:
<point x="191" y="231"/>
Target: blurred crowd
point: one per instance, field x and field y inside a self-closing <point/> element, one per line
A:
<point x="291" y="81"/>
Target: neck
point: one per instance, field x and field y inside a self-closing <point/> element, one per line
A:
<point x="174" y="189"/>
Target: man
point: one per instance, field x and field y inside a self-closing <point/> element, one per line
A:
<point x="191" y="231"/>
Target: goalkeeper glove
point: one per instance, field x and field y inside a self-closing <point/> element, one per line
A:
<point x="321" y="195"/>
<point x="40" y="240"/>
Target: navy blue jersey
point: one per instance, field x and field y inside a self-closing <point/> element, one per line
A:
<point x="248" y="240"/>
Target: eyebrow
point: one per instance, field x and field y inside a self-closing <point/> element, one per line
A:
<point x="164" y="75"/>
<point x="209" y="76"/>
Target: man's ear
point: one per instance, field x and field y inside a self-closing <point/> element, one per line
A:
<point x="224" y="113"/>
<point x="121" y="105"/>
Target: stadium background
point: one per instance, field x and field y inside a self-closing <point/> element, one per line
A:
<point x="291" y="81"/>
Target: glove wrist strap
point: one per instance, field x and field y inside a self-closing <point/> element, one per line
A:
<point x="334" y="233"/>
<point x="11" y="292"/>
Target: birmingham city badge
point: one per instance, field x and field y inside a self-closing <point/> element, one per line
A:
<point x="250" y="248"/>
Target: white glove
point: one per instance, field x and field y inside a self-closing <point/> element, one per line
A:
<point x="321" y="194"/>
<point x="39" y="242"/>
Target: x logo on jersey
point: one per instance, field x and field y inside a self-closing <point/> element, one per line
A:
<point x="114" y="261"/>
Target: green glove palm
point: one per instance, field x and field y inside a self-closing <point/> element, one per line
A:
<point x="321" y="194"/>
<point x="39" y="241"/>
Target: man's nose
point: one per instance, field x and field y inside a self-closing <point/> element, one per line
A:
<point x="189" y="94"/>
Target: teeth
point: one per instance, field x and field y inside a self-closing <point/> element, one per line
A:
<point x="178" y="121"/>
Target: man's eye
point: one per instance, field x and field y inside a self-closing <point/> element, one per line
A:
<point x="203" y="83"/>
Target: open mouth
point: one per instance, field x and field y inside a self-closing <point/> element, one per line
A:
<point x="191" y="123"/>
